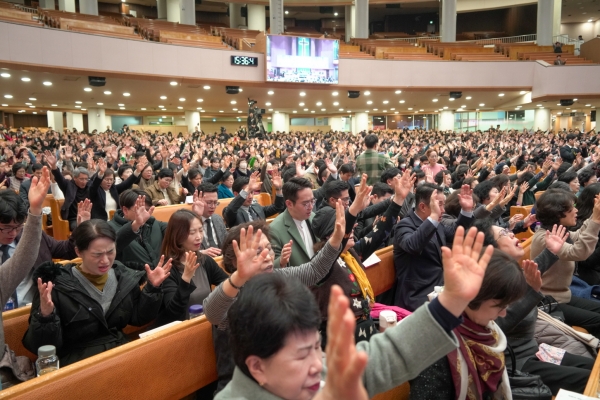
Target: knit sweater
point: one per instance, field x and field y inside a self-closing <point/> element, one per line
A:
<point x="581" y="244"/>
<point x="16" y="268"/>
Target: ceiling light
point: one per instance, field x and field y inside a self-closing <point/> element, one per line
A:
<point x="32" y="99"/>
<point x="369" y="102"/>
<point x="221" y="111"/>
<point x="367" y="93"/>
<point x="8" y="96"/>
<point x="240" y="111"/>
<point x="558" y="104"/>
<point x="385" y="102"/>
<point x="200" y="100"/>
<point x="398" y="91"/>
<point x="410" y="109"/>
<point x="270" y="109"/>
<point x="5" y="75"/>
<point x="481" y="104"/>
<point x="294" y="112"/>
<point x="319" y="103"/>
<point x="401" y="101"/>
<point x="199" y="108"/>
<point x="54" y="105"/>
<point x="270" y="92"/>
<point x="451" y="99"/>
<point x="568" y="108"/>
<point x="435" y="100"/>
<point x="35" y="112"/>
<point x="590" y="20"/>
<point x="4" y="105"/>
<point x="266" y="104"/>
<point x="121" y="105"/>
<point x="126" y="94"/>
<point x="306" y="109"/>
<point x="336" y="14"/>
<point x="445" y="108"/>
<point x="322" y="109"/>
<point x="28" y="104"/>
<point x="312" y="111"/>
<point x="143" y="109"/>
<point x="302" y="94"/>
<point x="180" y="108"/>
<point x="538" y="105"/>
<point x="335" y="103"/>
<point x="77" y="102"/>
<point x="31" y="106"/>
<point x="587" y="105"/>
<point x="500" y="94"/>
<point x="25" y="79"/>
<point x="522" y="92"/>
<point x="164" y="116"/>
<point x="395" y="112"/>
<point x="235" y="109"/>
<point x="202" y="110"/>
<point x="122" y="108"/>
<point x="468" y="97"/>
<point x="376" y="109"/>
<point x="341" y="109"/>
<point x="334" y="93"/>
<point x="47" y="83"/>
<point x="286" y="12"/>
<point x="87" y="89"/>
<point x="574" y="99"/>
<point x="392" y="109"/>
<point x="182" y="99"/>
<point x="107" y="92"/>
<point x="301" y="104"/>
<point x="161" y="106"/>
<point x="173" y="83"/>
<point x="100" y="104"/>
<point x="163" y="97"/>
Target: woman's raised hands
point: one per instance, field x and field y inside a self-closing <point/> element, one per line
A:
<point x="249" y="260"/>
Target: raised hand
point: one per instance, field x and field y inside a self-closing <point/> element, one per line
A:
<point x="524" y="186"/>
<point x="340" y="226"/>
<point x="556" y="238"/>
<point x="101" y="166"/>
<point x="511" y="193"/>
<point x="46" y="304"/>
<point x="38" y="191"/>
<point x="299" y="170"/>
<point x="286" y="253"/>
<point x="529" y="220"/>
<point x="141" y="214"/>
<point x="465" y="198"/>
<point x="50" y="159"/>
<point x="226" y="161"/>
<point x="464" y="268"/>
<point x="403" y="186"/>
<point x="249" y="261"/>
<point x="84" y="211"/>
<point x="276" y="180"/>
<point x="513" y="221"/>
<point x="596" y="210"/>
<point x="198" y="204"/>
<point x="330" y="166"/>
<point x="345" y="365"/>
<point x="190" y="266"/>
<point x="157" y="276"/>
<point x="253" y="183"/>
<point x="532" y="274"/>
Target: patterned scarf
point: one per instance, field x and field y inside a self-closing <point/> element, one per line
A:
<point x="360" y="275"/>
<point x="478" y="366"/>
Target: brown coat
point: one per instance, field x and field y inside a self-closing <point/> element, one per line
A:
<point x="156" y="194"/>
<point x="556" y="281"/>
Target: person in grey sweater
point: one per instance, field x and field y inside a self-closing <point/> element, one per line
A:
<point x="14" y="269"/>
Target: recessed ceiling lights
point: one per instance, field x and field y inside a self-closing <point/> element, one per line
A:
<point x="522" y="92"/>
<point x="208" y="87"/>
<point x="369" y="102"/>
<point x="182" y="99"/>
<point x="302" y="94"/>
<point x="143" y="109"/>
<point x="5" y="75"/>
<point x="568" y="108"/>
<point x="164" y="116"/>
<point x="294" y="112"/>
<point x="100" y="104"/>
<point x="270" y="92"/>
<point x="240" y="111"/>
<point x="126" y="94"/>
<point x="367" y="93"/>
<point x="25" y="79"/>
<point x="121" y="105"/>
<point x="163" y="97"/>
<point x="312" y="111"/>
<point x="270" y="109"/>
<point x="481" y="104"/>
<point x="87" y="89"/>
<point x="28" y="104"/>
<point x="468" y="97"/>
<point x="587" y="105"/>
<point x="199" y="108"/>
<point x="392" y="109"/>
<point x="286" y="12"/>
<point x="180" y="108"/>
<point x="266" y="104"/>
<point x="4" y="105"/>
<point x="410" y="109"/>
<point x="107" y="92"/>
<point x="341" y="109"/>
<point x="421" y="109"/>
<point x="306" y="109"/>
<point x="161" y="106"/>
<point x="77" y="102"/>
<point x="398" y="91"/>
<point x="200" y="100"/>
<point x="385" y="102"/>
<point x="334" y="93"/>
<point x="376" y="109"/>
<point x="401" y="101"/>
<point x="221" y="111"/>
<point x="500" y="94"/>
<point x="54" y="105"/>
<point x="47" y="83"/>
<point x="435" y="100"/>
<point x="445" y="108"/>
<point x="173" y="83"/>
<point x="31" y="106"/>
<point x="301" y="104"/>
<point x="538" y="105"/>
<point x="234" y="109"/>
<point x="32" y="99"/>
<point x="319" y="103"/>
<point x="451" y="99"/>
<point x="395" y="112"/>
<point x="8" y="96"/>
<point x="322" y="109"/>
<point x="335" y="103"/>
<point x="35" y="112"/>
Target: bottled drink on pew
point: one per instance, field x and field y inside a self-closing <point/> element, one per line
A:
<point x="10" y="304"/>
<point x="196" y="310"/>
<point x="47" y="360"/>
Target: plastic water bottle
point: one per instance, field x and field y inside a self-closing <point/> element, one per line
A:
<point x="10" y="304"/>
<point x="47" y="360"/>
<point x="196" y="310"/>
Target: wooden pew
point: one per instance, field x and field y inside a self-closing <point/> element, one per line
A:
<point x="382" y="276"/>
<point x="165" y="34"/>
<point x="60" y="227"/>
<point x="356" y="55"/>
<point x="13" y="15"/>
<point x="446" y="53"/>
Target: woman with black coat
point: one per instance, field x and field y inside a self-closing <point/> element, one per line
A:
<point x="104" y="185"/>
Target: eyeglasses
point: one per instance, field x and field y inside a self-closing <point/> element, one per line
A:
<point x="505" y="232"/>
<point x="308" y="204"/>
<point x="212" y="203"/>
<point x="11" y="229"/>
<point x="345" y="200"/>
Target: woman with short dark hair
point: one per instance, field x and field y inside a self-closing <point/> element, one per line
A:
<point x="82" y="309"/>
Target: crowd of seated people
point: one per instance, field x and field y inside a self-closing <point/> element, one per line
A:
<point x="335" y="198"/>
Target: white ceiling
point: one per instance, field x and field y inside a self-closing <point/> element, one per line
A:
<point x="66" y="90"/>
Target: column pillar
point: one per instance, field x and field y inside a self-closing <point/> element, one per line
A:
<point x="66" y="5"/>
<point x="192" y="120"/>
<point x="360" y="122"/>
<point x="55" y="120"/>
<point x="541" y="119"/>
<point x="187" y="12"/>
<point x="348" y="23"/>
<point x="96" y="119"/>
<point x="361" y="19"/>
<point x="276" y="17"/>
<point x="161" y="8"/>
<point x="448" y="21"/>
<point x="89" y="7"/>
<point x="548" y="21"/>
<point x="235" y="16"/>
<point x="280" y="122"/>
<point x="48" y="4"/>
<point x="173" y="11"/>
<point x="446" y="121"/>
<point x="75" y="120"/>
<point x="257" y="17"/>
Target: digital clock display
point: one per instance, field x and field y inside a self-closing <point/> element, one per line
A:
<point x="244" y="61"/>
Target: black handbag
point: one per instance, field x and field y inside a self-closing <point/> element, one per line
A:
<point x="549" y="305"/>
<point x="525" y="386"/>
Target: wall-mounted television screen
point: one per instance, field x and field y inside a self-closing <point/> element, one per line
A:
<point x="302" y="59"/>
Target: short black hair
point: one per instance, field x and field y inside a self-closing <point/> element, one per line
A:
<point x="568" y="177"/>
<point x="585" y="175"/>
<point x="90" y="230"/>
<point x="439" y="177"/>
<point x="18" y="166"/>
<point x="36" y="167"/>
<point x="12" y="207"/>
<point x="288" y="173"/>
<point x="380" y="189"/>
<point x="225" y="176"/>
<point x="424" y="192"/>
<point x="571" y="136"/>
<point x="293" y="186"/>
<point x="346" y="168"/>
<point x="214" y="160"/>
<point x="208" y="187"/>
<point x="285" y="306"/>
<point x="165" y="173"/>
<point x="371" y="141"/>
<point x="553" y="205"/>
<point x="123" y="168"/>
<point x="483" y="190"/>
<point x="503" y="281"/>
<point x="130" y="196"/>
<point x="389" y="173"/>
<point x="193" y="173"/>
<point x="484" y="225"/>
<point x="239" y="183"/>
<point x="334" y="189"/>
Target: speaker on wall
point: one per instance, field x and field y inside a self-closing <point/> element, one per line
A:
<point x="244" y="12"/>
<point x="566" y="102"/>
<point x="97" y="81"/>
<point x="353" y="94"/>
<point x="232" y="89"/>
<point x="593" y="116"/>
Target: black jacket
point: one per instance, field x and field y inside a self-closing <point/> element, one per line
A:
<point x="214" y="179"/>
<point x="78" y="327"/>
<point x="234" y="215"/>
<point x="69" y="189"/>
<point x="418" y="257"/>
<point x="98" y="195"/>
<point x="133" y="249"/>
